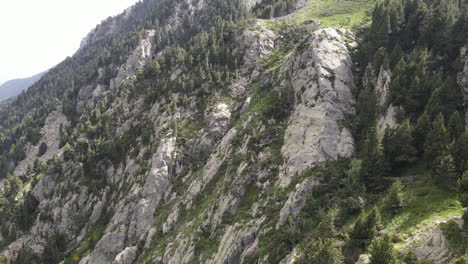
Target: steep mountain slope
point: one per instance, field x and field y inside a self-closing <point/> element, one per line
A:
<point x="194" y="132"/>
<point x="15" y="87"/>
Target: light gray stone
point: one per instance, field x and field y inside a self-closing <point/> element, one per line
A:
<point x="323" y="81"/>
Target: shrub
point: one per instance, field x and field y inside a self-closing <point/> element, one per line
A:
<point x="366" y="228"/>
<point x="42" y="149"/>
<point x="394" y="199"/>
<point x="382" y="251"/>
<point x="322" y="251"/>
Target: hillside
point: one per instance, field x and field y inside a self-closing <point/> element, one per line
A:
<point x="228" y="132"/>
<point x="15" y="87"/>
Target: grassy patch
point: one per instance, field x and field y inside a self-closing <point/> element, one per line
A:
<point x="88" y="243"/>
<point x="186" y="129"/>
<point x="352" y="14"/>
<point x="458" y="243"/>
<point x="425" y="203"/>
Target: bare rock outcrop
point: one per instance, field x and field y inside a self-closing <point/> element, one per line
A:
<point x="322" y="80"/>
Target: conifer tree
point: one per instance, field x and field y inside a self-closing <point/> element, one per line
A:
<point x="372" y="162"/>
<point x="445" y="171"/>
<point x="366" y="109"/>
<point x="398" y="149"/>
<point x="322" y="251"/>
<point x="462" y="188"/>
<point x="398" y="88"/>
<point x="382" y="251"/>
<point x="422" y="128"/>
<point x="456" y="125"/>
<point x="394" y="199"/>
<point x="436" y="142"/>
<point x="366" y="228"/>
<point x="326" y="228"/>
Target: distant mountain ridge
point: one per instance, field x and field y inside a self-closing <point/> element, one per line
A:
<point x="14" y="87"/>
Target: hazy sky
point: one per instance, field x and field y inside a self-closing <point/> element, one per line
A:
<point x="35" y="35"/>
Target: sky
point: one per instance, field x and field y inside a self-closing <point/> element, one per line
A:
<point x="36" y="35"/>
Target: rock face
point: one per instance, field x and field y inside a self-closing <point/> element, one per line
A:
<point x="388" y="116"/>
<point x="258" y="40"/>
<point x="296" y="201"/>
<point x="431" y="244"/>
<point x="322" y="80"/>
<point x="134" y="216"/>
<point x="199" y="178"/>
<point x="51" y="136"/>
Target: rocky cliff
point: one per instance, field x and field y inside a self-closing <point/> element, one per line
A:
<point x="222" y="150"/>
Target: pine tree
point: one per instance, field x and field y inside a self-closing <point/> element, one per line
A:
<point x="398" y="149"/>
<point x="394" y="198"/>
<point x="42" y="149"/>
<point x="445" y="171"/>
<point x="366" y="228"/>
<point x="460" y="153"/>
<point x="462" y="188"/>
<point x="382" y="251"/>
<point x="398" y="88"/>
<point x="372" y="162"/>
<point x="366" y="109"/>
<point x="321" y="251"/>
<point x="326" y="227"/>
<point x="456" y="125"/>
<point x="396" y="55"/>
<point x="436" y="142"/>
<point x="423" y="126"/>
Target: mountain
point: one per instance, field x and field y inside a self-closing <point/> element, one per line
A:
<point x="15" y="87"/>
<point x="227" y="132"/>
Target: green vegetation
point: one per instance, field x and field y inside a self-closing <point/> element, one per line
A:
<point x="88" y="243"/>
<point x="425" y="203"/>
<point x="400" y="181"/>
<point x="455" y="237"/>
<point x="350" y="14"/>
<point x="322" y="251"/>
<point x="382" y="252"/>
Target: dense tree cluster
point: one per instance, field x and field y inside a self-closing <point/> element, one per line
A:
<point x="418" y="42"/>
<point x="274" y="8"/>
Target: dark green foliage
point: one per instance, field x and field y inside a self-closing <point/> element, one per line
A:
<point x="460" y="153"/>
<point x="437" y="142"/>
<point x="372" y="162"/>
<point x="366" y="109"/>
<point x="398" y="150"/>
<point x="394" y="198"/>
<point x="382" y="251"/>
<point x="54" y="249"/>
<point x="274" y="8"/>
<point x="456" y="125"/>
<point x="445" y="171"/>
<point x="366" y="228"/>
<point x="26" y="212"/>
<point x="411" y="83"/>
<point x="25" y="256"/>
<point x="326" y="227"/>
<point x="461" y="260"/>
<point x="410" y="258"/>
<point x="457" y="240"/>
<point x="463" y="189"/>
<point x="445" y="99"/>
<point x="277" y="244"/>
<point x="42" y="149"/>
<point x="321" y="251"/>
